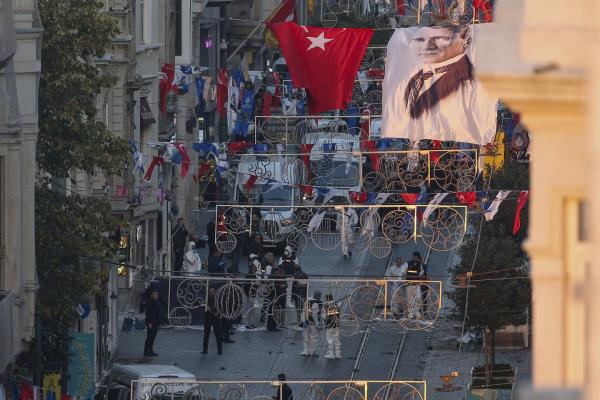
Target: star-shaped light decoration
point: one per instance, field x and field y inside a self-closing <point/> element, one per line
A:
<point x="318" y="41"/>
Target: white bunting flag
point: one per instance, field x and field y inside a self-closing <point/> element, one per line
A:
<point x="490" y="213"/>
<point x="434" y="202"/>
<point x="315" y="221"/>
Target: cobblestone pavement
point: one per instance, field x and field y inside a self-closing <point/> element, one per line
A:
<point x="426" y="354"/>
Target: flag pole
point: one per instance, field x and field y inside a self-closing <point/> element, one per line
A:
<point x="243" y="43"/>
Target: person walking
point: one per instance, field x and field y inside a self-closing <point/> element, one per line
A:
<point x="212" y="320"/>
<point x="310" y="333"/>
<point x="152" y="311"/>
<point x="179" y="235"/>
<point x="332" y="328"/>
<point x="284" y="392"/>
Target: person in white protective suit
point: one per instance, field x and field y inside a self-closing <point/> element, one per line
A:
<point x="346" y="221"/>
<point x="192" y="264"/>
<point x="396" y="271"/>
<point x="332" y="312"/>
<point x="414" y="272"/>
<point x="312" y="320"/>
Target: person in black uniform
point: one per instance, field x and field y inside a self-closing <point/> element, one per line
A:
<point x="284" y="392"/>
<point x="212" y="320"/>
<point x="210" y="233"/>
<point x="179" y="235"/>
<point x="255" y="246"/>
<point x="300" y="290"/>
<point x="152" y="309"/>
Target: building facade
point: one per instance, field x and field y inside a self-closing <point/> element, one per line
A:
<point x="20" y="42"/>
<point x="551" y="78"/>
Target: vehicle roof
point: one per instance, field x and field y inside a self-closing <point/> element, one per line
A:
<point x="137" y="371"/>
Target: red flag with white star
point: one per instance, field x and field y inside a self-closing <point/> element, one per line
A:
<point x="324" y="61"/>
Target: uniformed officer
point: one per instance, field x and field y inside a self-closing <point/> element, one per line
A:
<point x="310" y="334"/>
<point x="332" y="328"/>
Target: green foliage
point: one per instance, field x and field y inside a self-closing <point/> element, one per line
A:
<point x="75" y="32"/>
<point x="68" y="225"/>
<point x="501" y="292"/>
<point x="501" y="300"/>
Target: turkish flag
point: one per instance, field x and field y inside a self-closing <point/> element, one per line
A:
<point x="284" y="12"/>
<point x="324" y="61"/>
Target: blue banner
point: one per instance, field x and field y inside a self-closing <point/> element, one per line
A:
<point x="82" y="375"/>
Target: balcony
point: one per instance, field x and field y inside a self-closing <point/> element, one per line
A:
<point x="6" y="329"/>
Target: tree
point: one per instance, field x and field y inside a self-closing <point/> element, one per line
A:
<point x="70" y="138"/>
<point x="500" y="294"/>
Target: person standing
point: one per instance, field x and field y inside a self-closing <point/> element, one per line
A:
<point x="310" y="333"/>
<point x="332" y="328"/>
<point x="255" y="246"/>
<point x="152" y="310"/>
<point x="212" y="320"/>
<point x="284" y="392"/>
<point x="414" y="272"/>
<point x="396" y="271"/>
<point x="300" y="292"/>
<point x="179" y="235"/>
<point x="210" y="234"/>
<point x="192" y="264"/>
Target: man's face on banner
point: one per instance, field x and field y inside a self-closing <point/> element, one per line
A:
<point x="437" y="44"/>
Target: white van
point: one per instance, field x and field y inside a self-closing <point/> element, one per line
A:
<point x="147" y="381"/>
<point x="341" y="170"/>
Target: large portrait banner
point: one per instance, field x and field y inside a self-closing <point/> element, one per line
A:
<point x="430" y="90"/>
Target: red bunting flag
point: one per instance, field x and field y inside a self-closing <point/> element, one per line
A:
<point x="306" y="189"/>
<point x="324" y="61"/>
<point x="435" y="155"/>
<point x="155" y="161"/>
<point x="185" y="163"/>
<point x="122" y="191"/>
<point x="400" y="7"/>
<point x="267" y="102"/>
<point x="235" y="147"/>
<point x="166" y="85"/>
<point x="467" y="198"/>
<point x="410" y="198"/>
<point x="202" y="170"/>
<point x="359" y="197"/>
<point x="306" y="149"/>
<point x="523" y="196"/>
<point x="222" y="92"/>
<point x="250" y="182"/>
<point x="373" y="156"/>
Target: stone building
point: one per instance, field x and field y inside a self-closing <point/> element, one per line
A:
<point x="20" y="41"/>
<point x="542" y="60"/>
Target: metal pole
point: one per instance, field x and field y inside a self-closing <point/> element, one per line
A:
<point x="243" y="42"/>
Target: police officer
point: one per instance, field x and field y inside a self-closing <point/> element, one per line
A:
<point x="310" y="334"/>
<point x="414" y="272"/>
<point x="212" y="319"/>
<point x="152" y="309"/>
<point x="332" y="328"/>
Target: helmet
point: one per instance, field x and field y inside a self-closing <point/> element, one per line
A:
<point x="256" y="263"/>
<point x="252" y="257"/>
